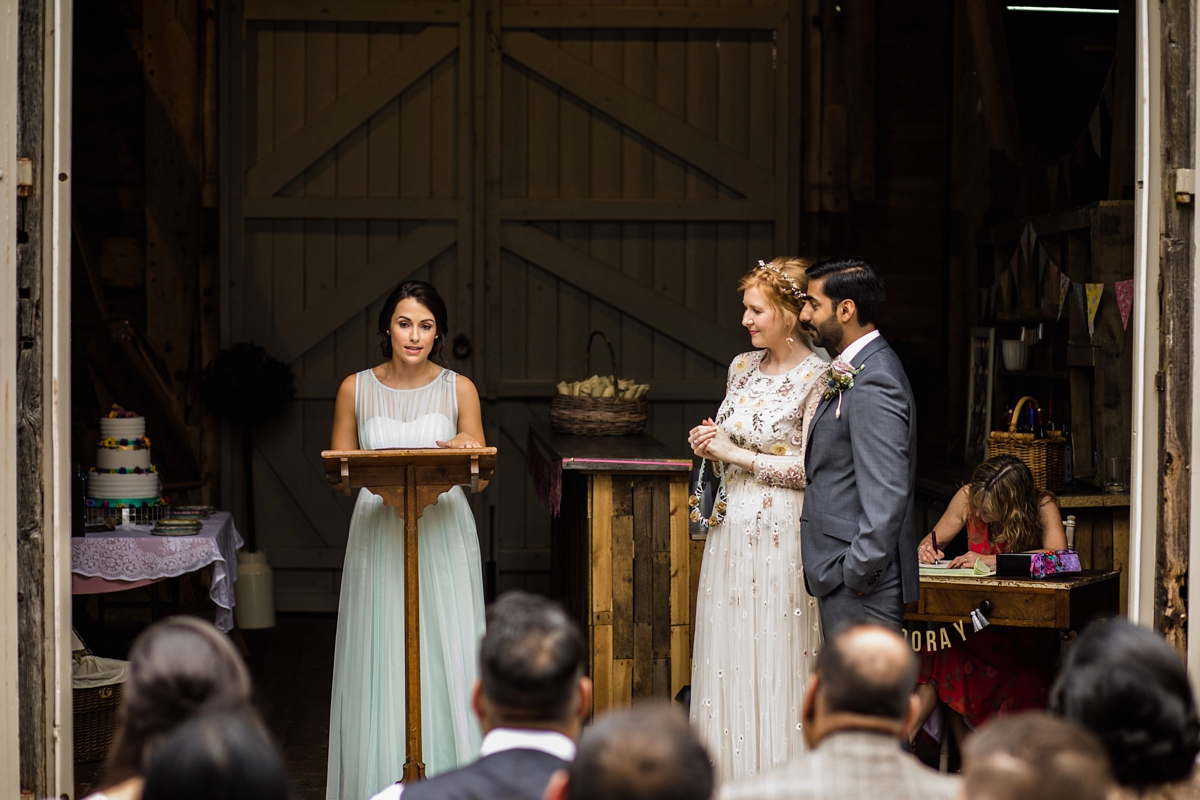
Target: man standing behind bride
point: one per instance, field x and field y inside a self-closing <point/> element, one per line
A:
<point x="859" y="537"/>
<point x="757" y="629"/>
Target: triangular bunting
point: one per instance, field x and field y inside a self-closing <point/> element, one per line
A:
<point x="1124" y="301"/>
<point x="1064" y="283"/>
<point x="1079" y="297"/>
<point x="1042" y="258"/>
<point x="1015" y="267"/>
<point x="1093" y="302"/>
<point x="1025" y="242"/>
<point x="1094" y="291"/>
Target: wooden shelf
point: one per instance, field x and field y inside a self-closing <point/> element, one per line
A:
<point x="1028" y="316"/>
<point x="1041" y="374"/>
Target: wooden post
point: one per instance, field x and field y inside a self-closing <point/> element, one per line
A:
<point x="10" y="754"/>
<point x="31" y="534"/>
<point x="1177" y="261"/>
<point x="173" y="36"/>
<point x="41" y="404"/>
<point x="413" y="771"/>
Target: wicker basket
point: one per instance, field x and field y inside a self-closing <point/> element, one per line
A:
<point x="598" y="416"/>
<point x="1046" y="458"/>
<point x="94" y="712"/>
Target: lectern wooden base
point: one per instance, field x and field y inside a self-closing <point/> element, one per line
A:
<point x="410" y="480"/>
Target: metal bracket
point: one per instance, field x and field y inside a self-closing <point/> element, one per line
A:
<point x="24" y="177"/>
<point x="1185" y="186"/>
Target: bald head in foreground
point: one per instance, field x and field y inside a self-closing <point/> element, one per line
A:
<point x="1034" y="756"/>
<point x="856" y="712"/>
<point x="648" y="752"/>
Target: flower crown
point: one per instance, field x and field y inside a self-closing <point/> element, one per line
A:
<point x="793" y="288"/>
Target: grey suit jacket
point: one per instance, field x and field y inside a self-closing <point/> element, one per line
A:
<point x="848" y="765"/>
<point x="858" y="508"/>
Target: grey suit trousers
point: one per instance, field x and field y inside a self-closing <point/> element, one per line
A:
<point x="885" y="605"/>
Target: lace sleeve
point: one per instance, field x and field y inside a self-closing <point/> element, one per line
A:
<point x="786" y="472"/>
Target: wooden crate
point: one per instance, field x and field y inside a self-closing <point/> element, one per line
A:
<point x="622" y="565"/>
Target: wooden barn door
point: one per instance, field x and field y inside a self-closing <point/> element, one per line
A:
<point x="639" y="161"/>
<point x="552" y="169"/>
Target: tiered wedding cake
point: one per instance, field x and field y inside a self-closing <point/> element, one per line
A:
<point x="123" y="476"/>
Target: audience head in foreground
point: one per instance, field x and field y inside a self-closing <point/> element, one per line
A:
<point x="531" y="664"/>
<point x="648" y="752"/>
<point x="217" y="757"/>
<point x="179" y="668"/>
<point x="1126" y="684"/>
<point x="863" y="680"/>
<point x="531" y="699"/>
<point x="857" y="709"/>
<point x="1034" y="756"/>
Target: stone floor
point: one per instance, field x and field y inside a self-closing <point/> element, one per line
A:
<point x="292" y="665"/>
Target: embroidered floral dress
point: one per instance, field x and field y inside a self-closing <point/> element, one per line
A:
<point x="757" y="629"/>
<point x="997" y="670"/>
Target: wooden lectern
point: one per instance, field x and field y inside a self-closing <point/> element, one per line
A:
<point x="410" y="480"/>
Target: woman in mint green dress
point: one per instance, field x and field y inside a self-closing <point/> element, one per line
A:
<point x="407" y="401"/>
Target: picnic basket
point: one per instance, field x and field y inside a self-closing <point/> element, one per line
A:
<point x="1046" y="458"/>
<point x="598" y="416"/>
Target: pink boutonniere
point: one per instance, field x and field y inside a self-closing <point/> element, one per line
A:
<point x="841" y="378"/>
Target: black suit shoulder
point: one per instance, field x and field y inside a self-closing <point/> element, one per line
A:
<point x="507" y="775"/>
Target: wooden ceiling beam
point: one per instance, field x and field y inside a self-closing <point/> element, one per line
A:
<point x="658" y="18"/>
<point x="350" y="11"/>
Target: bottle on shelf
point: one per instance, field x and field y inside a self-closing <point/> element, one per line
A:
<point x="1039" y="428"/>
<point x="1069" y="457"/>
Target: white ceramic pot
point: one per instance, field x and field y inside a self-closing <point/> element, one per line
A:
<point x="1015" y="352"/>
<point x="255" y="590"/>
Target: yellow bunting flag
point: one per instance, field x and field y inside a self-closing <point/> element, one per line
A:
<point x="1094" y="291"/>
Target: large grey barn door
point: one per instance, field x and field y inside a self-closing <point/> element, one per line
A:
<point x="551" y="168"/>
<point x="638" y="162"/>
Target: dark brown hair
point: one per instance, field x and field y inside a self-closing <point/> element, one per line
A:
<point x="426" y="295"/>
<point x="178" y="668"/>
<point x="531" y="658"/>
<point x="1004" y="487"/>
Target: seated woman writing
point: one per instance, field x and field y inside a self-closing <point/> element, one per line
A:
<point x="996" y="670"/>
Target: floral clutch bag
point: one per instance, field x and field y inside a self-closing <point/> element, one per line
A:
<point x="1042" y="564"/>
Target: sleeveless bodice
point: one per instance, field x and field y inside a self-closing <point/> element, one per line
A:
<point x="390" y="418"/>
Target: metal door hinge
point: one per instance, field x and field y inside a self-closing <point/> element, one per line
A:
<point x="24" y="177"/>
<point x="1185" y="186"/>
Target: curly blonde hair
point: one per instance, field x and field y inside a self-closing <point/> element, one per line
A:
<point x="777" y="289"/>
<point x="1003" y="487"/>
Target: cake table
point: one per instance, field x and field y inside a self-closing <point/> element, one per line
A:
<point x="128" y="558"/>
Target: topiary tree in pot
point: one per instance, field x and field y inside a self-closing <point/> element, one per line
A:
<point x="246" y="386"/>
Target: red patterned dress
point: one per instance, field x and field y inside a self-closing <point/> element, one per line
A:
<point x="996" y="671"/>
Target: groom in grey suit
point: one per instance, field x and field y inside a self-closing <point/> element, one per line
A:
<point x="857" y="534"/>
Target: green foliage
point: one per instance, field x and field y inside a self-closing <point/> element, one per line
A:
<point x="246" y="385"/>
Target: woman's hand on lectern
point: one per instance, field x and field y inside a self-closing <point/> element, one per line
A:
<point x="461" y="440"/>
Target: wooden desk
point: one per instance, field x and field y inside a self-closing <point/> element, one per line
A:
<point x="1101" y="519"/>
<point x="621" y="560"/>
<point x="1066" y="603"/>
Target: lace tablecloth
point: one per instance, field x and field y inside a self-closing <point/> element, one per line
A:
<point x="135" y="554"/>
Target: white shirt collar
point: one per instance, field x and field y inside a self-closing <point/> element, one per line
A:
<point x="857" y="345"/>
<point x="500" y="739"/>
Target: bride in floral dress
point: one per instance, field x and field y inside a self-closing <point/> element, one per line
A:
<point x="757" y="629"/>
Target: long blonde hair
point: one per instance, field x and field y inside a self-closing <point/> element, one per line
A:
<point x="1004" y="488"/>
<point x="778" y="290"/>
